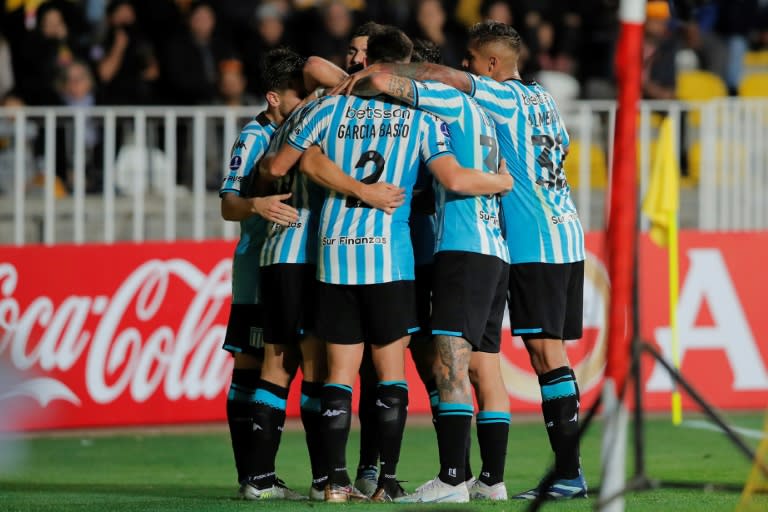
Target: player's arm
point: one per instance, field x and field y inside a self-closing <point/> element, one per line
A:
<point x="319" y="72"/>
<point x="418" y="71"/>
<point x="469" y="182"/>
<point x="394" y="86"/>
<point x="276" y="165"/>
<point x="323" y="171"/>
<point x="272" y="208"/>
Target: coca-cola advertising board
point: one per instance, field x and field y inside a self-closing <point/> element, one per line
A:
<point x="131" y="334"/>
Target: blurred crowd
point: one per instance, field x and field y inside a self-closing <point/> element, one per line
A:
<point x="184" y="52"/>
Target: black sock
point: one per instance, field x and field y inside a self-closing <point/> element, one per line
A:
<point x="310" y="418"/>
<point x="492" y="435"/>
<point x="268" y="422"/>
<point x="434" y="398"/>
<point x="392" y="410"/>
<point x="336" y="404"/>
<point x="467" y="461"/>
<point x="369" y="436"/>
<point x="240" y="418"/>
<point x="560" y="406"/>
<point x="434" y="402"/>
<point x="453" y="423"/>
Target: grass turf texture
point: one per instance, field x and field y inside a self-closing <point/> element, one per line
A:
<point x="194" y="471"/>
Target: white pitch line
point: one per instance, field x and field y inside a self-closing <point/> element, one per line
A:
<point x="705" y="425"/>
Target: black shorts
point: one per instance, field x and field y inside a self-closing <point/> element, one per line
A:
<point x="468" y="295"/>
<point x="546" y="300"/>
<point x="377" y="314"/>
<point x="423" y="288"/>
<point x="245" y="333"/>
<point x="289" y="299"/>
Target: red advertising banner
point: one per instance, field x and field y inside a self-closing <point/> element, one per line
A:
<point x="131" y="334"/>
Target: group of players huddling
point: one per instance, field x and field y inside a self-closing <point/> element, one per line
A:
<point x="378" y="216"/>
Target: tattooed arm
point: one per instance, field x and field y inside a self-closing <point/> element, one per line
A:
<point x="420" y="71"/>
<point x="395" y="86"/>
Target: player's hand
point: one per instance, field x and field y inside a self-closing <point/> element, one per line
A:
<point x="506" y="178"/>
<point x="383" y="196"/>
<point x="121" y="39"/>
<point x="346" y="86"/>
<point x="273" y="209"/>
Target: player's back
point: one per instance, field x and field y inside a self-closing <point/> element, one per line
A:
<point x="542" y="223"/>
<point x="465" y="223"/>
<point x="372" y="140"/>
<point x="296" y="242"/>
<point x="249" y="148"/>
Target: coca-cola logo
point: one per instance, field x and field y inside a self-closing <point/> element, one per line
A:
<point x="125" y="342"/>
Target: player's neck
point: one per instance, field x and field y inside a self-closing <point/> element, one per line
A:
<point x="274" y="115"/>
<point x="502" y="75"/>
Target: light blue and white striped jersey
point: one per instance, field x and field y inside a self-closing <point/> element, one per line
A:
<point x="465" y="223"/>
<point x="423" y="225"/>
<point x="250" y="146"/>
<point x="371" y="140"/>
<point x="542" y="224"/>
<point x="297" y="242"/>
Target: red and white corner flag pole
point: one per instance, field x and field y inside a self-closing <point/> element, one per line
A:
<point x="622" y="222"/>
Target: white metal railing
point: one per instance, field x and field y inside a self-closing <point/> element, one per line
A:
<point x="164" y="194"/>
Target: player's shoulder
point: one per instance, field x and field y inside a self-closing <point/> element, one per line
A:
<point x="259" y="125"/>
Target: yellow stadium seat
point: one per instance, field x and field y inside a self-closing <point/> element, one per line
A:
<point x="598" y="170"/>
<point x="754" y="85"/>
<point x="696" y="85"/>
<point x="756" y="61"/>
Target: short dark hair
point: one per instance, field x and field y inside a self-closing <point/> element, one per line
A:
<point x="426" y="51"/>
<point x="490" y="31"/>
<point x="389" y="45"/>
<point x="282" y="69"/>
<point x="367" y="29"/>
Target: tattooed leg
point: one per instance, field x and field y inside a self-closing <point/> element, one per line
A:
<point x="455" y="410"/>
<point x="452" y="369"/>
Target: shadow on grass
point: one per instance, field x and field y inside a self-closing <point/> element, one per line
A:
<point x="198" y="492"/>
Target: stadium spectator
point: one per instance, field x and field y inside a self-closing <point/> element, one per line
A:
<point x="659" y="53"/>
<point x="190" y="61"/>
<point x="330" y="42"/>
<point x="735" y="21"/>
<point x="127" y="66"/>
<point x="232" y="85"/>
<point x="6" y="67"/>
<point x="431" y="22"/>
<point x="77" y="88"/>
<point x="44" y="53"/>
<point x="267" y="32"/>
<point x="497" y="10"/>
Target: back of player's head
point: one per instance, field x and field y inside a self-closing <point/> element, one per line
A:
<point x="426" y="51"/>
<point x="490" y="31"/>
<point x="282" y="69"/>
<point x="367" y="29"/>
<point x="389" y="45"/>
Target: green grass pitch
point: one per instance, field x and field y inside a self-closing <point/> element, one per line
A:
<point x="161" y="470"/>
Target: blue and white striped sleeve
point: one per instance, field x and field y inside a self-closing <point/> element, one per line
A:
<point x="497" y="98"/>
<point x="435" y="139"/>
<point x="249" y="147"/>
<point x="312" y="127"/>
<point x="442" y="100"/>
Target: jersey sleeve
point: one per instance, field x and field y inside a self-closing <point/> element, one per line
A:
<point x="247" y="150"/>
<point x="437" y="98"/>
<point x="495" y="97"/>
<point x="435" y="139"/>
<point x="312" y="127"/>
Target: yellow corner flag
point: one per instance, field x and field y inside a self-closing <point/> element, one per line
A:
<point x="660" y="205"/>
<point x="663" y="197"/>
